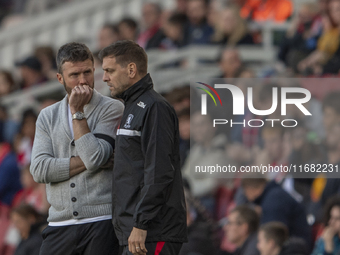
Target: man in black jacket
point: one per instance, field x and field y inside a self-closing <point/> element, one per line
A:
<point x="275" y="204"/>
<point x="148" y="198"/>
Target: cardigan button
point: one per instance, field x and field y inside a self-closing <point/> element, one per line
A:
<point x="74" y="199"/>
<point x="72" y="185"/>
<point x="75" y="214"/>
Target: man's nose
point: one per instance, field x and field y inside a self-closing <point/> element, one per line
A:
<point x="82" y="80"/>
<point x="105" y="77"/>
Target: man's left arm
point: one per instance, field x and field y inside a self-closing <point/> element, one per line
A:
<point x="157" y="141"/>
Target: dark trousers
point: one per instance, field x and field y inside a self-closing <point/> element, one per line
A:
<point x="96" y="238"/>
<point x="158" y="248"/>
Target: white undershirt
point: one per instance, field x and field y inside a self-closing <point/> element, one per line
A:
<point x="70" y="120"/>
<point x="77" y="221"/>
<point x="80" y="221"/>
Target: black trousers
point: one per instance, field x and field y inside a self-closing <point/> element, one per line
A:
<point x="158" y="248"/>
<point x="96" y="238"/>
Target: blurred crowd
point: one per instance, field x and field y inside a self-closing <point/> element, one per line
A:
<point x="275" y="215"/>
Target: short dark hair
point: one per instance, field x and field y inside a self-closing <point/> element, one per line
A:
<point x="177" y="19"/>
<point x="253" y="182"/>
<point x="129" y="22"/>
<point x="26" y="211"/>
<point x="113" y="27"/>
<point x="249" y="216"/>
<point x="73" y="52"/>
<point x="276" y="231"/>
<point x="126" y="52"/>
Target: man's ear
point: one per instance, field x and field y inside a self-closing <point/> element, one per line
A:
<point x="132" y="70"/>
<point x="60" y="78"/>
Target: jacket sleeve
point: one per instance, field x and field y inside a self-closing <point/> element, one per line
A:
<point x="96" y="147"/>
<point x="157" y="142"/>
<point x="45" y="168"/>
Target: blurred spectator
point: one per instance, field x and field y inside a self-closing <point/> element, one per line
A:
<point x="246" y="135"/>
<point x="286" y="209"/>
<point x="329" y="241"/>
<point x="30" y="224"/>
<point x="7" y="83"/>
<point x="214" y="8"/>
<point x="172" y="37"/>
<point x="231" y="29"/>
<point x="314" y="106"/>
<point x="323" y="6"/>
<point x="33" y="193"/>
<point x="151" y="15"/>
<point x="181" y="6"/>
<point x="46" y="56"/>
<point x="47" y="102"/>
<point x="331" y="110"/>
<point x="328" y="44"/>
<point x="5" y="8"/>
<point x="184" y="134"/>
<point x="273" y="150"/>
<point x="230" y="63"/>
<point x="276" y="154"/>
<point x="273" y="240"/>
<point x="332" y="66"/>
<point x="24" y="139"/>
<point x="9" y="175"/>
<point x="332" y="144"/>
<point x="31" y="72"/>
<point x="8" y="127"/>
<point x="108" y="34"/>
<point x="179" y="98"/>
<point x="263" y="10"/>
<point x="241" y="230"/>
<point x="304" y="150"/>
<point x="301" y="37"/>
<point x="199" y="232"/>
<point x="197" y="30"/>
<point x="127" y="28"/>
<point x="207" y="151"/>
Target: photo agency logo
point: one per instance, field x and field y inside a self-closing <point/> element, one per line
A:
<point x="239" y="104"/>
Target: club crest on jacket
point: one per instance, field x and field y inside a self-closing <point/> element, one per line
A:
<point x="128" y="121"/>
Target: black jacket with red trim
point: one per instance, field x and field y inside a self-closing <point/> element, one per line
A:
<point x="147" y="184"/>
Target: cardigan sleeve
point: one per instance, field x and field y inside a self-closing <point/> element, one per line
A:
<point x="45" y="167"/>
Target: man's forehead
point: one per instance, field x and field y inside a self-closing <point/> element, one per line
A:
<point x="79" y="64"/>
<point x="110" y="62"/>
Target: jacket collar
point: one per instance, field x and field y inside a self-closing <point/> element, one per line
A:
<point x="132" y="93"/>
<point x="88" y="109"/>
<point x="270" y="185"/>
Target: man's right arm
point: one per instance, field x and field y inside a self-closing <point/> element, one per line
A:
<point x="45" y="168"/>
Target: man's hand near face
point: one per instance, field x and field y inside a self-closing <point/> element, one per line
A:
<point x="79" y="97"/>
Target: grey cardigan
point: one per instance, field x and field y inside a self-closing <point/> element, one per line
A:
<point x="87" y="194"/>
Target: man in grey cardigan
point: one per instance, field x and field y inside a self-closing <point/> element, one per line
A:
<point x="73" y="154"/>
